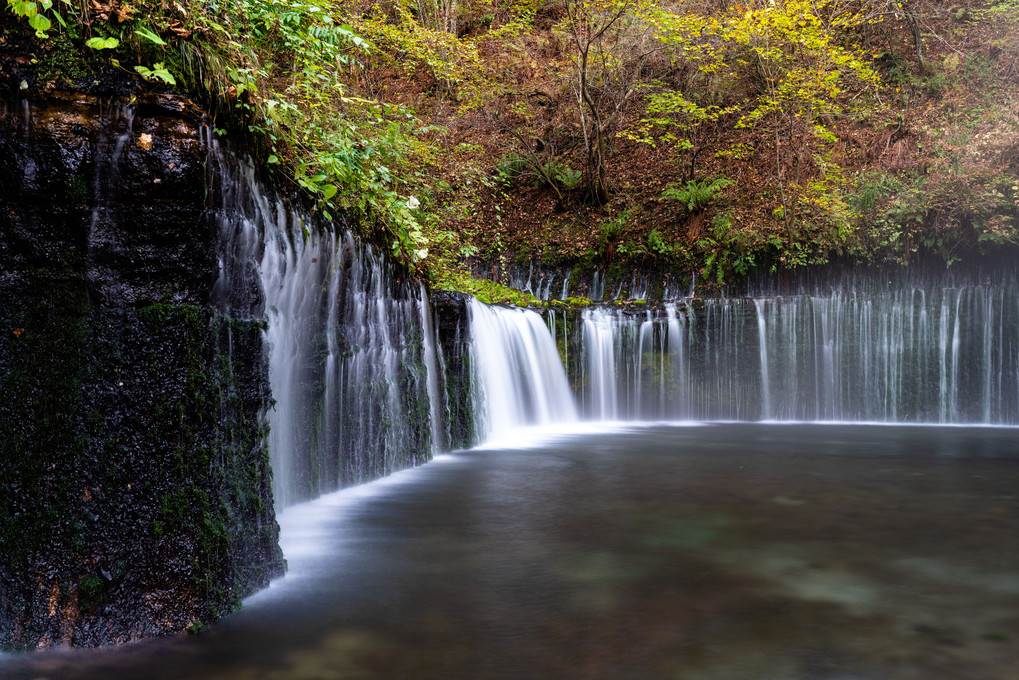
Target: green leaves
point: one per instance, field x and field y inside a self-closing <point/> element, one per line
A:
<point x="568" y="177"/>
<point x="158" y="71"/>
<point x="149" y="35"/>
<point x="284" y="66"/>
<point x="41" y="24"/>
<point x="34" y="13"/>
<point x="98" y="43"/>
<point x="695" y="194"/>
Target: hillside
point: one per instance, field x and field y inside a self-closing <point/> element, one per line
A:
<point x="767" y="147"/>
<point x="720" y="138"/>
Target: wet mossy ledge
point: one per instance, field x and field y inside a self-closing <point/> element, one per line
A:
<point x="135" y="485"/>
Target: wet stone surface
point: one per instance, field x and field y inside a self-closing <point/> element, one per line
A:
<point x="134" y="477"/>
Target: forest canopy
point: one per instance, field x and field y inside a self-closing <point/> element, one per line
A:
<point x="721" y="137"/>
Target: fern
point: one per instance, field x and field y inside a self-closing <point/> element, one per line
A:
<point x="695" y="195"/>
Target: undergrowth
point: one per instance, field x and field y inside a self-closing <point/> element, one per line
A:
<point x="761" y="135"/>
<point x="279" y="74"/>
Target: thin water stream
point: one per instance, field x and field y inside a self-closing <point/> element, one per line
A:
<point x="940" y="351"/>
<point x="765" y="551"/>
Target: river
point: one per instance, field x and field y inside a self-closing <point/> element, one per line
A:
<point x="686" y="551"/>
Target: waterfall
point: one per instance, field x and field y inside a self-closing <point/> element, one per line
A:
<point x="762" y="339"/>
<point x="600" y="333"/>
<point x="940" y="352"/>
<point x="677" y="354"/>
<point x="431" y="357"/>
<point x="363" y="387"/>
<point x="352" y="356"/>
<point x="597" y="285"/>
<point x="519" y="377"/>
<point x="644" y="345"/>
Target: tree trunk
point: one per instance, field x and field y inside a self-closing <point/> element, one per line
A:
<point x="594" y="139"/>
<point x="914" y="25"/>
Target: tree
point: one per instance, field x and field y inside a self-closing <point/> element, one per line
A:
<point x="802" y="74"/>
<point x="440" y="15"/>
<point x="610" y="47"/>
<point x="680" y="110"/>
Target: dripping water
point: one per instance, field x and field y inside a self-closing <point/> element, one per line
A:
<point x="927" y="354"/>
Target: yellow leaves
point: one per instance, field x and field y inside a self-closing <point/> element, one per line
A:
<point x="451" y="60"/>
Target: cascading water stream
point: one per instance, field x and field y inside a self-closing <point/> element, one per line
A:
<point x="927" y="354"/>
<point x="762" y="338"/>
<point x="352" y="355"/>
<point x="358" y="375"/>
<point x="431" y="357"/>
<point x="519" y="377"/>
<point x="600" y="347"/>
<point x="355" y="368"/>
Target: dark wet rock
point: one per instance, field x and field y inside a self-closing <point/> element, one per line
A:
<point x="452" y="327"/>
<point x="81" y="191"/>
<point x="135" y="491"/>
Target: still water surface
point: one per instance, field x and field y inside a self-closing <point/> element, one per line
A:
<point x="708" y="552"/>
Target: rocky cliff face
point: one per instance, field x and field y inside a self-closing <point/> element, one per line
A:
<point x="134" y="476"/>
<point x="452" y="329"/>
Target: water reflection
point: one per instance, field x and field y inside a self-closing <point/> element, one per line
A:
<point x="721" y="551"/>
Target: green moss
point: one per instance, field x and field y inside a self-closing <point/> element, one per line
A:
<point x="77" y="189"/>
<point x="487" y="291"/>
<point x="64" y="63"/>
<point x="132" y="422"/>
<point x="39" y="369"/>
<point x="90" y="592"/>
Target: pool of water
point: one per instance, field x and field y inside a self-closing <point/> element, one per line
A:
<point x="722" y="551"/>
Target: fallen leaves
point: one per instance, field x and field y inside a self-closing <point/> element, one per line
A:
<point x="178" y="29"/>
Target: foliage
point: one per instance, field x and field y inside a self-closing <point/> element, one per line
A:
<point x="98" y="43"/>
<point x="611" y="229"/>
<point x="287" y="73"/>
<point x="607" y="40"/>
<point x="38" y="14"/>
<point x="696" y="194"/>
<point x="401" y="41"/>
<point x="677" y="121"/>
<point x="552" y="172"/>
<point x="456" y="129"/>
<point x="565" y="175"/>
<point x="657" y="243"/>
<point x="727" y="250"/>
<point x="158" y="71"/>
<point x="512" y="166"/>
